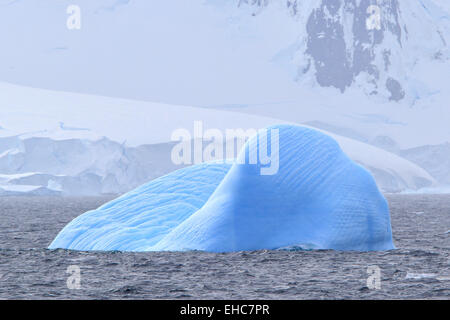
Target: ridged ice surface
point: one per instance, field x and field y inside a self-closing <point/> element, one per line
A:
<point x="143" y="216"/>
<point x="318" y="198"/>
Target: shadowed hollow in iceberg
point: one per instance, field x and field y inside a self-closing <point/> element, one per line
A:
<point x="319" y="198"/>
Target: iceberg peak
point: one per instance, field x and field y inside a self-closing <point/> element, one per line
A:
<point x="318" y="197"/>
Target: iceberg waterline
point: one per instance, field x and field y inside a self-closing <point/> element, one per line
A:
<point x="318" y="197"/>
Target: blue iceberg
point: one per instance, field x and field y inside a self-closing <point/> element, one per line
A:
<point x="316" y="198"/>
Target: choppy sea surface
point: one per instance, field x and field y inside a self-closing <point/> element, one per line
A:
<point x="418" y="269"/>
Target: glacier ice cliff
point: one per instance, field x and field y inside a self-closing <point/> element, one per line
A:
<point x="54" y="151"/>
<point x="319" y="198"/>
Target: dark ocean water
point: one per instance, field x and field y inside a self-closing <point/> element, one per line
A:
<point x="418" y="269"/>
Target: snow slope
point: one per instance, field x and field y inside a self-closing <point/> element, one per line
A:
<point x="30" y="112"/>
<point x="318" y="198"/>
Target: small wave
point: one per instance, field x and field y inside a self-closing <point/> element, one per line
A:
<point x="300" y="247"/>
<point x="419" y="276"/>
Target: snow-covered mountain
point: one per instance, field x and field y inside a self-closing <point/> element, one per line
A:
<point x="376" y="46"/>
<point x="228" y="52"/>
<point x="373" y="84"/>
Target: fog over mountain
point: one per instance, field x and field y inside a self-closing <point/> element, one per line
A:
<point x="374" y="73"/>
